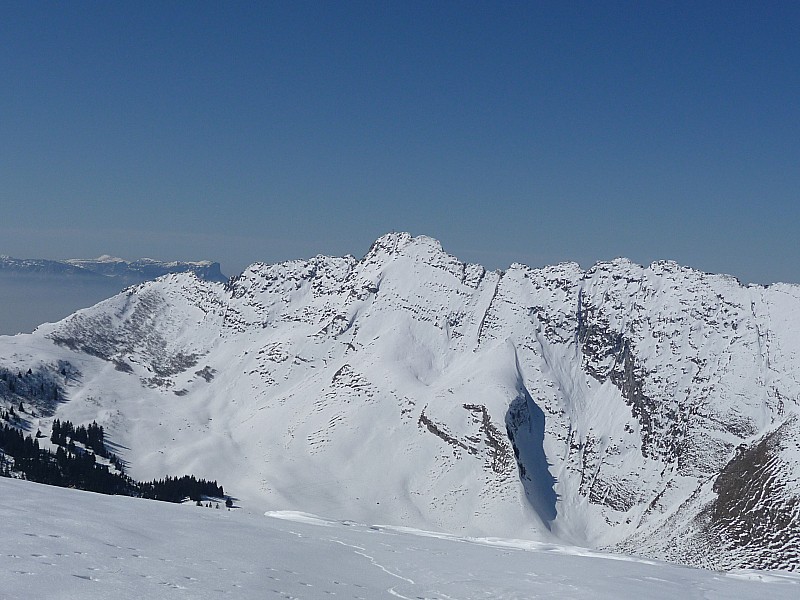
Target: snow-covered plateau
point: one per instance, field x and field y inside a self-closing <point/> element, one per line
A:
<point x="63" y="544"/>
<point x="642" y="410"/>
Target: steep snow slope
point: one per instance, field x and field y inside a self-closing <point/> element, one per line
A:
<point x="82" y="545"/>
<point x="610" y="407"/>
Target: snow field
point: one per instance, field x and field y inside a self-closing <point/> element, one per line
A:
<point x="63" y="544"/>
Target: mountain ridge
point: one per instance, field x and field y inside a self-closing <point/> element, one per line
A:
<point x="106" y="266"/>
<point x="597" y="407"/>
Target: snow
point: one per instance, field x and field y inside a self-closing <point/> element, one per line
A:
<point x="380" y="390"/>
<point x="104" y="258"/>
<point x="60" y="543"/>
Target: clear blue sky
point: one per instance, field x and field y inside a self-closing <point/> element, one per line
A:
<point x="531" y="132"/>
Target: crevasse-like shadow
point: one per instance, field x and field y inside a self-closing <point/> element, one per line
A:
<point x="525" y="426"/>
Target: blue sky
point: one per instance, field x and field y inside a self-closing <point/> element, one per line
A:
<point x="530" y="132"/>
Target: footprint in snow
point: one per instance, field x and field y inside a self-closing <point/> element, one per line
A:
<point x="171" y="585"/>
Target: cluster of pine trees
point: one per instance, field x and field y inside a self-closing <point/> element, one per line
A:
<point x="38" y="388"/>
<point x="15" y="445"/>
<point x="74" y="464"/>
<point x="175" y="489"/>
<point x="91" y="436"/>
<point x="62" y="468"/>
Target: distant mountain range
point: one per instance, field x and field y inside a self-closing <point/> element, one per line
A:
<point x="35" y="290"/>
<point x="651" y="410"/>
<point x="109" y="267"/>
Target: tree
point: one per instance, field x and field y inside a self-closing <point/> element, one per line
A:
<point x="55" y="437"/>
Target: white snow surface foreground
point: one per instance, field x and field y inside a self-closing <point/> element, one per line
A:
<point x="82" y="545"/>
<point x="651" y="410"/>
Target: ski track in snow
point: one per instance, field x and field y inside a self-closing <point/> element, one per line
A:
<point x="64" y="544"/>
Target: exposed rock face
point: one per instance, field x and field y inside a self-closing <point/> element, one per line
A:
<point x="747" y="515"/>
<point x="756" y="514"/>
<point x="648" y="409"/>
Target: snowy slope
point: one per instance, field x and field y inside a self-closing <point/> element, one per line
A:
<point x="83" y="545"/>
<point x="602" y="408"/>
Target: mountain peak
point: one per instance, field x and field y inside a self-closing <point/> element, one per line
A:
<point x="106" y="258"/>
<point x="395" y="243"/>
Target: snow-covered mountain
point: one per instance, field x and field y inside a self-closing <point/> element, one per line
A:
<point x="651" y="410"/>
